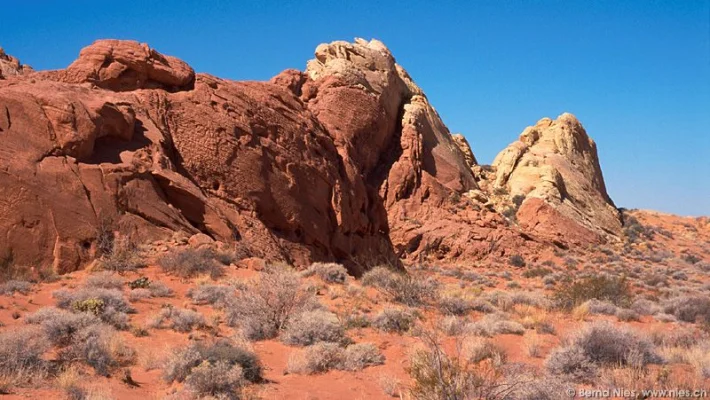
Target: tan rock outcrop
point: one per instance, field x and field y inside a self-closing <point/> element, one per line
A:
<point x="555" y="166"/>
<point x="11" y="66"/>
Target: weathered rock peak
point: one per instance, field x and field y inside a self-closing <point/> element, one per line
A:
<point x="555" y="166"/>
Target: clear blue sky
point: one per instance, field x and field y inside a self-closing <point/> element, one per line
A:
<point x="636" y="73"/>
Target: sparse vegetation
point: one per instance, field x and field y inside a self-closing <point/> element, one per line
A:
<point x="328" y="272"/>
<point x="600" y="287"/>
<point x="394" y="320"/>
<point x="311" y="327"/>
<point x="107" y="304"/>
<point x="218" y="369"/>
<point x="178" y="319"/>
<point x="408" y="289"/>
<point x="323" y="357"/>
<point x="263" y="307"/>
<point x="189" y="262"/>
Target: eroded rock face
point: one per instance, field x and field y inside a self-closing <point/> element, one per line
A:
<point x="344" y="162"/>
<point x="555" y="166"/>
<point x="122" y="65"/>
<point x="11" y="66"/>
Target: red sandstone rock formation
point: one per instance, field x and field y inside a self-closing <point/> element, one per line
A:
<point x="346" y="161"/>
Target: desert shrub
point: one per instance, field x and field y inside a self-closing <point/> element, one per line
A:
<point x="328" y="272"/>
<point x="141" y="283"/>
<point x="122" y="256"/>
<point x="159" y="289"/>
<point x="476" y="350"/>
<point x="107" y="304"/>
<point x="495" y="324"/>
<point x="356" y="319"/>
<point x="689" y="308"/>
<point x="601" y="344"/>
<point x="536" y="272"/>
<point x="138" y="295"/>
<point x="516" y="260"/>
<point x="626" y="315"/>
<point x="218" y="379"/>
<point x="600" y="307"/>
<point x="322" y="357"/>
<point x="216" y="369"/>
<point x="178" y="319"/>
<point x="454" y="305"/>
<point x="530" y="299"/>
<point x="104" y="280"/>
<point x="99" y="347"/>
<point x="408" y="289"/>
<point x="634" y="231"/>
<point x="680" y="276"/>
<point x="217" y="295"/>
<point x="645" y="307"/>
<point x="452" y="325"/>
<point x="263" y="307"/>
<point x="319" y="358"/>
<point x="573" y="363"/>
<point x="15" y="286"/>
<point x="600" y="287"/>
<point x="190" y="262"/>
<point x="437" y="374"/>
<point x="310" y="327"/>
<point x="394" y="320"/>
<point x="61" y="326"/>
<point x="21" y="352"/>
<point x="361" y="355"/>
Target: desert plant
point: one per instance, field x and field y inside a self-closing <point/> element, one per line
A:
<point x="99" y="347"/>
<point x="599" y="287"/>
<point x="573" y="363"/>
<point x="361" y="355"/>
<point x="408" y="289"/>
<point x="217" y="295"/>
<point x="495" y="324"/>
<point x="190" y="262"/>
<point x="689" y="308"/>
<point x="14" y="286"/>
<point x="263" y="307"/>
<point x="178" y="319"/>
<point x="218" y="368"/>
<point x="104" y="280"/>
<point x="328" y="272"/>
<point x="516" y="260"/>
<point x="311" y="327"/>
<point x="321" y="357"/>
<point x="61" y="326"/>
<point x="123" y="255"/>
<point x="107" y="304"/>
<point x="394" y="320"/>
<point x="21" y="352"/>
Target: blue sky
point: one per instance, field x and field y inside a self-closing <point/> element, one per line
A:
<point x="636" y="73"/>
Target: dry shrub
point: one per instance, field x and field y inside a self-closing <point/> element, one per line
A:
<point x="322" y="357"/>
<point x="495" y="324"/>
<point x="263" y="307"/>
<point x="21" y="352"/>
<point x="178" y="319"/>
<point x="104" y="280"/>
<point x="437" y="374"/>
<point x="408" y="289"/>
<point x="189" y="262"/>
<point x="601" y="344"/>
<point x="217" y="369"/>
<point x="328" y="272"/>
<point x="14" y="286"/>
<point x="100" y="347"/>
<point x="122" y="255"/>
<point x="394" y="320"/>
<point x="600" y="287"/>
<point x="107" y="304"/>
<point x="311" y="327"/>
<point x="216" y="295"/>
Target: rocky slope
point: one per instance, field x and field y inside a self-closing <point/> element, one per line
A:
<point x="346" y="161"/>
